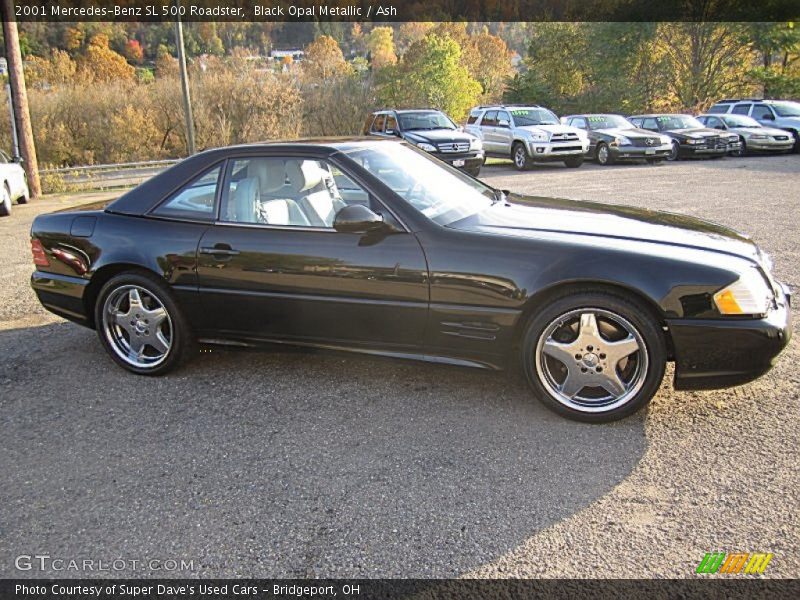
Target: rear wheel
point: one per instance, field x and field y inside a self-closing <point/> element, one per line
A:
<point x="140" y="324"/>
<point x="574" y="162"/>
<point x="594" y="356"/>
<point x="519" y="154"/>
<point x="5" y="201"/>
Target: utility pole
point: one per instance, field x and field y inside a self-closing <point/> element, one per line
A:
<point x="19" y="98"/>
<point x="187" y="102"/>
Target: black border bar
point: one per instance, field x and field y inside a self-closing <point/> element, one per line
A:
<point x="407" y="10"/>
<point x="706" y="588"/>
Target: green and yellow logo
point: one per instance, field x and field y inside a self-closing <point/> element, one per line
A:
<point x="737" y="562"/>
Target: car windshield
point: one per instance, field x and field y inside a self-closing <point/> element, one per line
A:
<point x="679" y="122"/>
<point x="416" y="121"/>
<point x="438" y="191"/>
<point x="787" y="109"/>
<point x="608" y="122"/>
<point x="740" y="121"/>
<point x="524" y="117"/>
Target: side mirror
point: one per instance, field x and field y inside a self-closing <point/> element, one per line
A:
<point x="390" y="132"/>
<point x="768" y="117"/>
<point x="357" y="218"/>
<point x="503" y="123"/>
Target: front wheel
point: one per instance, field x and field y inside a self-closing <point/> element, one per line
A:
<point x="519" y="154"/>
<point x="574" y="162"/>
<point x="140" y="325"/>
<point x="674" y="152"/>
<point x="593" y="356"/>
<point x="604" y="156"/>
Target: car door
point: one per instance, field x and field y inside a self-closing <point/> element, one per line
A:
<point x="488" y="130"/>
<point x="272" y="266"/>
<point x="503" y="131"/>
<point x="763" y="114"/>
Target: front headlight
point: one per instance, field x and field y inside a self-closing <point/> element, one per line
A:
<point x="748" y="295"/>
<point x="694" y="141"/>
<point x="475" y="144"/>
<point x="665" y="139"/>
<point x="426" y="147"/>
<point x="621" y="140"/>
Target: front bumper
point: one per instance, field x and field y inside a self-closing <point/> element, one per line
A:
<point x="640" y="152"/>
<point x="464" y="161"/>
<point x="703" y="150"/>
<point x="770" y="145"/>
<point x="719" y="353"/>
<point x="550" y="151"/>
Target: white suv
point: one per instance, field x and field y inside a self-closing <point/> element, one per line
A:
<point x="783" y="114"/>
<point x="13" y="184"/>
<point x="527" y="134"/>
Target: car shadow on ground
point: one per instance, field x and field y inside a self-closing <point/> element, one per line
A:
<point x="284" y="464"/>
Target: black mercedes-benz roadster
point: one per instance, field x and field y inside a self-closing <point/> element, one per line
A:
<point x="374" y="246"/>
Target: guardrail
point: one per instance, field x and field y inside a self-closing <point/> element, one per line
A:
<point x="101" y="177"/>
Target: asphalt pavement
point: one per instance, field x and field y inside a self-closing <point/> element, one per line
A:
<point x="292" y="464"/>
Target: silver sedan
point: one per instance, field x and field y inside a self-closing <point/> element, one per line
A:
<point x="753" y="135"/>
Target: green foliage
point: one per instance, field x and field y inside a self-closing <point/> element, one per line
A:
<point x="430" y="74"/>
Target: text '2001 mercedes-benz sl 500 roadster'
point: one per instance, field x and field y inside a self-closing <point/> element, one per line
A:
<point x="375" y="246"/>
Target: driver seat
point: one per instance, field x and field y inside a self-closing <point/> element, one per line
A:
<point x="321" y="206"/>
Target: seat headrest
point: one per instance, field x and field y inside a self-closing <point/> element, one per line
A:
<point x="245" y="198"/>
<point x="304" y="174"/>
<point x="270" y="173"/>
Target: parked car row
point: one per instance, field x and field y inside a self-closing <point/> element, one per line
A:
<point x="530" y="134"/>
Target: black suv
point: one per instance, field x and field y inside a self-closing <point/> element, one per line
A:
<point x="432" y="131"/>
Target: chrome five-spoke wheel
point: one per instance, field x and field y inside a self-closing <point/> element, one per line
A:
<point x="591" y="360"/>
<point x="137" y="326"/>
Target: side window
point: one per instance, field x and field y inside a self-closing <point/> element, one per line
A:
<point x="489" y="119"/>
<point x="377" y="125"/>
<point x="719" y="109"/>
<point x="579" y="122"/>
<point x="635" y="121"/>
<point x="473" y="117"/>
<point x="195" y="200"/>
<point x="391" y="124"/>
<point x="762" y="112"/>
<point x="4" y="157"/>
<point x="287" y="192"/>
<point x="741" y="109"/>
<point x="504" y="116"/>
<point x="650" y="124"/>
<point x="714" y="123"/>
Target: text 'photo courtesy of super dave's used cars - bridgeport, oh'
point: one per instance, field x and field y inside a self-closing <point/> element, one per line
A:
<point x="376" y="246"/>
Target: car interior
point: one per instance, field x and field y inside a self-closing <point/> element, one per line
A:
<point x="295" y="192"/>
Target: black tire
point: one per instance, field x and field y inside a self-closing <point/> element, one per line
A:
<point x="574" y="162"/>
<point x="5" y="201"/>
<point x="603" y="155"/>
<point x="675" y="152"/>
<point x="519" y="156"/>
<point x="796" y="148"/>
<point x="648" y="363"/>
<point x="182" y="342"/>
<point x="742" y="148"/>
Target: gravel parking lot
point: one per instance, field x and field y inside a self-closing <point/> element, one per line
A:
<point x="296" y="464"/>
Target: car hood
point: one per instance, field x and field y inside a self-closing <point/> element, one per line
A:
<point x="549" y="128"/>
<point x="696" y="132"/>
<point x="760" y="131"/>
<point x="630" y="133"/>
<point x="437" y="136"/>
<point x="525" y="216"/>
